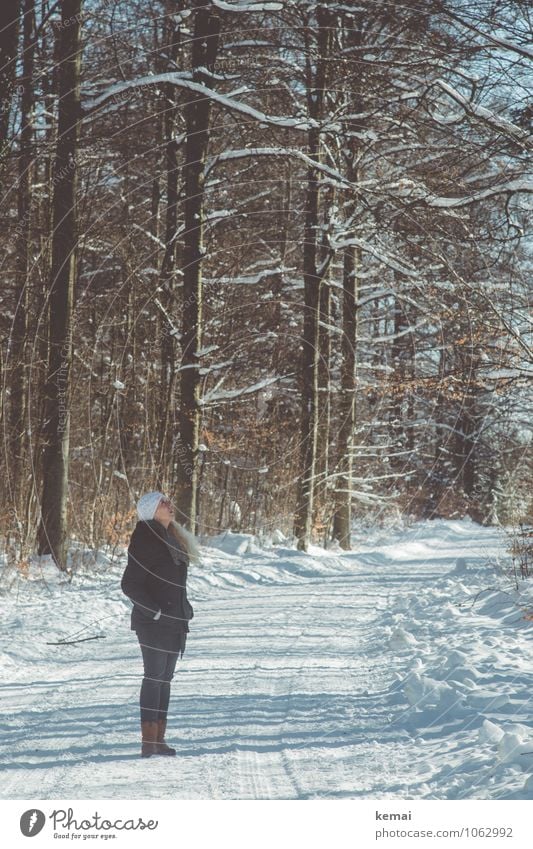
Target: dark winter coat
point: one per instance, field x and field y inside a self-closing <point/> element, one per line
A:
<point x="155" y="579"/>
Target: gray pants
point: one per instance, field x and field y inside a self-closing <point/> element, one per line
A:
<point x="160" y="652"/>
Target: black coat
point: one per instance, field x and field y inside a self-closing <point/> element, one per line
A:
<point x="156" y="578"/>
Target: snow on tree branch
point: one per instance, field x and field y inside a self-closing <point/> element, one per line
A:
<point x="247" y="7"/>
<point x="231" y="394"/>
<point x="504" y="188"/>
<point x="182" y="80"/>
<point x="520" y="49"/>
<point x="340" y="180"/>
<point x="495" y="121"/>
<point x="383" y="257"/>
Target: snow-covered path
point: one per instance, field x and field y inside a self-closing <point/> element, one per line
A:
<point x="377" y="673"/>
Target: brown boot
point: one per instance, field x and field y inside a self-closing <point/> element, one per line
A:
<point x="149" y="739"/>
<point x="162" y="747"/>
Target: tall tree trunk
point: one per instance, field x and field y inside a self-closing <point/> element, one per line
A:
<point x="398" y="387"/>
<point x="466" y="431"/>
<point x="468" y="427"/>
<point x="278" y="278"/>
<point x="324" y="417"/>
<point x="309" y="365"/>
<point x="347" y="408"/>
<point x="440" y="472"/>
<point x="40" y="310"/>
<point x="322" y="509"/>
<point x="52" y="535"/>
<point x="168" y="265"/>
<point x="197" y="115"/>
<point x="9" y="35"/>
<point x="316" y="82"/>
<point x="19" y="372"/>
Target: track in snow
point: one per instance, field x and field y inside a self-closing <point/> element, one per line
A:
<point x="295" y="684"/>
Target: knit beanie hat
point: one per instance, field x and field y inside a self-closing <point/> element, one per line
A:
<point x="148" y="504"/>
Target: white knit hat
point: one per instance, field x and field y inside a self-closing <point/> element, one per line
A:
<point x="148" y="504"/>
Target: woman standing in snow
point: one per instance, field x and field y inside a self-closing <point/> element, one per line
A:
<point x="155" y="579"/>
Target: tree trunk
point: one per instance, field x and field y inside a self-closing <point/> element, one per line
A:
<point x="197" y="114"/>
<point x="309" y="366"/>
<point x="322" y="508"/>
<point x="466" y="428"/>
<point x="347" y="407"/>
<point x="9" y="35"/>
<point x="52" y="535"/>
<point x="324" y="416"/>
<point x="316" y="83"/>
<point x="398" y="391"/>
<point x="18" y="424"/>
<point x="168" y="267"/>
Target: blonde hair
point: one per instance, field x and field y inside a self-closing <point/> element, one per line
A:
<point x="186" y="539"/>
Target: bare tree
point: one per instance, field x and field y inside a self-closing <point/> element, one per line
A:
<point x="197" y="115"/>
<point x="52" y="534"/>
<point x="19" y="371"/>
<point x="9" y="36"/>
<point x="319" y="32"/>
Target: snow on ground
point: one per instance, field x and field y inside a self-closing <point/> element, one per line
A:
<point x="400" y="670"/>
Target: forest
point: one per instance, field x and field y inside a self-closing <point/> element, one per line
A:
<point x="271" y="258"/>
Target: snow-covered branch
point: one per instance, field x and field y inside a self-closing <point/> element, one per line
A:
<point x="183" y="80"/>
<point x="383" y="257"/>
<point x="340" y="180"/>
<point x="247" y="7"/>
<point x="487" y="115"/>
<point x="232" y="394"/>
<point x="510" y="187"/>
<point x="519" y="49"/>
